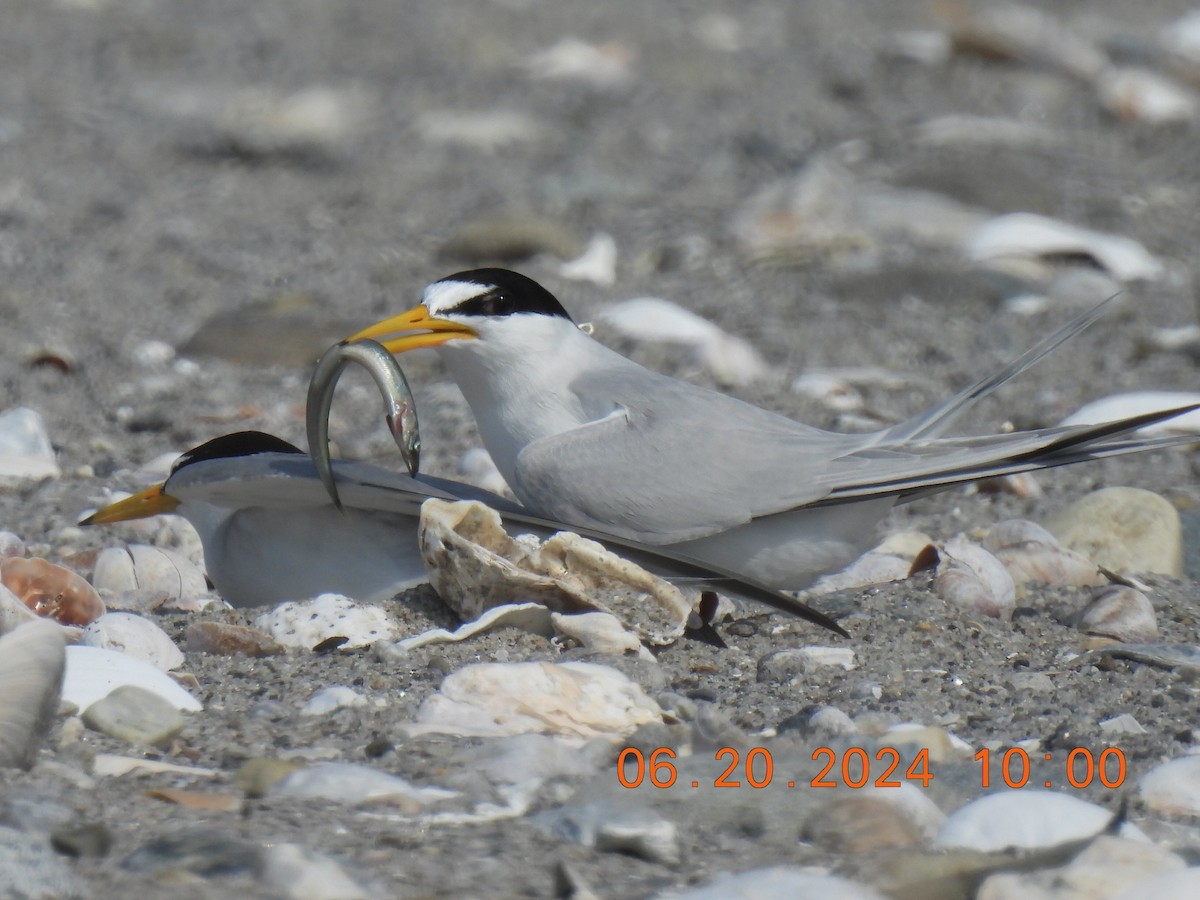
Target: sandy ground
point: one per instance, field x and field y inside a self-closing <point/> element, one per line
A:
<point x="141" y="201"/>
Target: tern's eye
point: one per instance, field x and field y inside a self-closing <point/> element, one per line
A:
<point x="492" y="303"/>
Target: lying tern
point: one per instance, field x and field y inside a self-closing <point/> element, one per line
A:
<point x="586" y="436"/>
<point x="270" y="531"/>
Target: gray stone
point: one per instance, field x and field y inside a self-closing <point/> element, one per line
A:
<point x="136" y="715"/>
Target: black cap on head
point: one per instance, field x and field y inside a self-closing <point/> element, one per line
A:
<point x="510" y="293"/>
<point x="229" y="446"/>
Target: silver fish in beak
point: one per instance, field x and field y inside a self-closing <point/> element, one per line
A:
<point x="399" y="407"/>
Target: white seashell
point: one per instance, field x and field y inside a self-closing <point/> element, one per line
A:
<point x="970" y="577"/>
<point x="868" y="569"/>
<point x="92" y="673"/>
<point x="597" y="264"/>
<point x="1024" y="33"/>
<point x="327" y="699"/>
<point x="605" y="66"/>
<point x="1033" y="555"/>
<point x="152" y="354"/>
<point x="473" y="564"/>
<point x="1122" y="724"/>
<point x="141" y="567"/>
<point x="31" y="675"/>
<point x="964" y="129"/>
<point x="136" y="636"/>
<point x="1120" y="612"/>
<point x="1182" y="37"/>
<point x="578" y="701"/>
<point x="730" y="359"/>
<point x="1185" y="338"/>
<point x="601" y="632"/>
<point x="891" y="561"/>
<point x="1029" y="818"/>
<point x="531" y="617"/>
<point x="343" y="782"/>
<point x="290" y="870"/>
<point x="780" y="881"/>
<point x="109" y="765"/>
<point x="1030" y="235"/>
<point x="25" y="448"/>
<point x="1173" y="787"/>
<point x="114" y="571"/>
<point x="1145" y="96"/>
<point x="304" y="625"/>
<point x="829" y="390"/>
<point x="1135" y="403"/>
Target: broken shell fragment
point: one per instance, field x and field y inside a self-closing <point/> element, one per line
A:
<point x="474" y="565"/>
<point x="1033" y="555"/>
<point x="890" y="561"/>
<point x="1030" y="236"/>
<point x="971" y="577"/>
<point x="51" y="590"/>
<point x="1120" y="612"/>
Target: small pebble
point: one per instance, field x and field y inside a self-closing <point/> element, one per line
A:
<point x="225" y="639"/>
<point x="135" y="715"/>
<point x="327" y="699"/>
<point x="299" y="873"/>
<point x="1173" y="788"/>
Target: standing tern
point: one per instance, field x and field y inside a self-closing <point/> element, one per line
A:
<point x="586" y="436"/>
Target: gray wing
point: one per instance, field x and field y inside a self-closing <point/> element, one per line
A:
<point x="668" y="461"/>
<point x="907" y="468"/>
<point x="286" y="481"/>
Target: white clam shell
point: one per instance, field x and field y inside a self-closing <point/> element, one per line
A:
<point x="1033" y="555"/>
<point x="146" y="568"/>
<point x="31" y="674"/>
<point x="1030" y="235"/>
<point x="136" y="636"/>
<point x="25" y="448"/>
<point x="1027" y="818"/>
<point x="971" y="577"/>
<point x="1136" y="403"/>
<point x="1145" y="96"/>
<point x="729" y="358"/>
<point x="1120" y="612"/>
<point x="92" y="673"/>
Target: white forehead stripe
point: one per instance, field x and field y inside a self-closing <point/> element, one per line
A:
<point x="446" y="295"/>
